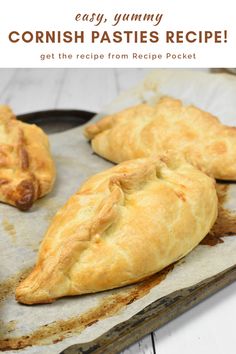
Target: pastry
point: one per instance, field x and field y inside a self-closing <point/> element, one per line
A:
<point x="27" y="170"/>
<point x="122" y="225"/>
<point x="145" y="131"/>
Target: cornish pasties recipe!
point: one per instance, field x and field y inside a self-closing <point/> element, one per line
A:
<point x="40" y="36"/>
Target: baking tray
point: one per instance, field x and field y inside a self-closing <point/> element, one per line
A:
<point x="159" y="312"/>
<point x="154" y="316"/>
<point x="57" y="120"/>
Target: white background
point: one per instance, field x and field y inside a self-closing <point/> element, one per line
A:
<point x="184" y="15"/>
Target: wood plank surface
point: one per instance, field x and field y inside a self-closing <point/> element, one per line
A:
<point x="29" y="90"/>
<point x="33" y="89"/>
<point x="143" y="346"/>
<point x="88" y="89"/>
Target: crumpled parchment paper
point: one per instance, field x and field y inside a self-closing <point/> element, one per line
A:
<point x="80" y="319"/>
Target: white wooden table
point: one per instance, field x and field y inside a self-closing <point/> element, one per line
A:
<point x="207" y="328"/>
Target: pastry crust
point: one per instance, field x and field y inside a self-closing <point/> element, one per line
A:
<point x="27" y="170"/>
<point x="144" y="131"/>
<point x="122" y="225"/>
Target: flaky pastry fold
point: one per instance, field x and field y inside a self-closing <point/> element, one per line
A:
<point x="144" y="131"/>
<point x="27" y="170"/>
<point x="122" y="225"/>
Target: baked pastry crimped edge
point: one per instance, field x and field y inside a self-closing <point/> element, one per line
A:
<point x="145" y="131"/>
<point x="122" y="225"/>
<point x="27" y="170"/>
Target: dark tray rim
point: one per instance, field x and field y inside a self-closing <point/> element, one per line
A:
<point x="154" y="316"/>
<point x="57" y="120"/>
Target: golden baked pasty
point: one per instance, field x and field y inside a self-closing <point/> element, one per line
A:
<point x="27" y="170"/>
<point x="144" y="131"/>
<point x="122" y="225"/>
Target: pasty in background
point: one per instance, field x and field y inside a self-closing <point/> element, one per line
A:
<point x="27" y="170"/>
<point x="144" y="131"/>
<point x="122" y="225"/>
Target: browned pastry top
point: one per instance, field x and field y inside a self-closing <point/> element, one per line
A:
<point x="122" y="225"/>
<point x="145" y="130"/>
<point x="27" y="170"/>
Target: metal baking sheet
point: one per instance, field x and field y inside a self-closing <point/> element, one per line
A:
<point x="73" y="321"/>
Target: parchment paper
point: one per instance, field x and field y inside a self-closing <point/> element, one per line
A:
<point x="21" y="233"/>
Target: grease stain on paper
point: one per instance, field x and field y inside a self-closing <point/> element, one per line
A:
<point x="225" y="224"/>
<point x="8" y="286"/>
<point x="10" y="229"/>
<point x="112" y="304"/>
<point x="109" y="306"/>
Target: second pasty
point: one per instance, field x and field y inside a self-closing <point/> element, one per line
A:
<point x="122" y="225"/>
<point x="144" y="131"/>
<point x="27" y="170"/>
